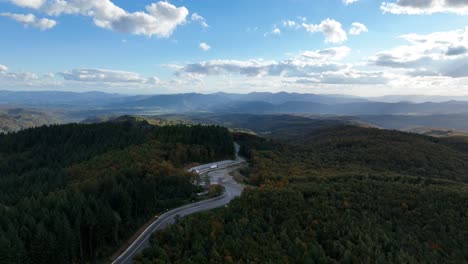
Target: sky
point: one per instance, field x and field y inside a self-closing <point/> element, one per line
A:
<point x="355" y="47"/>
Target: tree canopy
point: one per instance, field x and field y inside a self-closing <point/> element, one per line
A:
<point x="337" y="195"/>
<point x="74" y="193"/>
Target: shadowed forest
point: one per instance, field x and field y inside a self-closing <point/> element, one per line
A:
<point x="338" y="195"/>
<point x="74" y="193"/>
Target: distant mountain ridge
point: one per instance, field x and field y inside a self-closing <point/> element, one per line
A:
<point x="255" y="103"/>
<point x="272" y="103"/>
<point x="358" y="108"/>
<point x="283" y="97"/>
<point x="57" y="98"/>
<point x="417" y="98"/>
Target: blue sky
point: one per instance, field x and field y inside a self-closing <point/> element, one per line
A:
<point x="235" y="46"/>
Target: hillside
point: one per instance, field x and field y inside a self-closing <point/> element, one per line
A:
<point x="344" y="149"/>
<point x="15" y="119"/>
<point x="280" y="125"/>
<point x="333" y="220"/>
<point x="339" y="194"/>
<point x="438" y="132"/>
<point x="267" y="125"/>
<point x="408" y="122"/>
<point x="74" y="193"/>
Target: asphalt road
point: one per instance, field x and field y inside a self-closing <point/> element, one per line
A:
<point x="219" y="175"/>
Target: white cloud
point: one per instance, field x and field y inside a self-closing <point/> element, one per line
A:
<point x="196" y="17"/>
<point x="5" y="74"/>
<point x="106" y="76"/>
<point x="357" y="28"/>
<point x="154" y="81"/>
<point x="28" y="3"/>
<point x="433" y="63"/>
<point x="336" y="54"/>
<point x="204" y="46"/>
<point x="30" y="20"/>
<point x="347" y="77"/>
<point x="309" y="69"/>
<point x="159" y="19"/>
<point x="304" y="65"/>
<point x="290" y="24"/>
<point x="276" y="31"/>
<point x="420" y="7"/>
<point x="332" y="30"/>
<point x="23" y="76"/>
<point x="258" y="68"/>
<point x="81" y="80"/>
<point x="48" y="75"/>
<point x="436" y="54"/>
<point x="251" y="29"/>
<point x="348" y="2"/>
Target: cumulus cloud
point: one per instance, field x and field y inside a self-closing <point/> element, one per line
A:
<point x="159" y="19"/>
<point x="5" y="74"/>
<point x="28" y="3"/>
<point x="21" y="76"/>
<point x="300" y="70"/>
<point x="291" y="24"/>
<point x="196" y="17"/>
<point x="357" y="28"/>
<point x="307" y="64"/>
<point x="275" y="31"/>
<point x="439" y="53"/>
<point x="348" y="2"/>
<point x="439" y="58"/>
<point x="258" y="68"/>
<point x="83" y="80"/>
<point x="336" y="53"/>
<point x="347" y="77"/>
<point x="332" y="30"/>
<point x="106" y="76"/>
<point x="204" y="46"/>
<point x="419" y="7"/>
<point x="30" y="20"/>
<point x="351" y="76"/>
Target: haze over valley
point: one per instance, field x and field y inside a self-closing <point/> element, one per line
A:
<point x="187" y="131"/>
<point x="30" y="109"/>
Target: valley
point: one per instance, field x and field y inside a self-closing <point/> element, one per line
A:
<point x="316" y="189"/>
<point x="337" y="195"/>
<point x="243" y="132"/>
<point x="219" y="174"/>
<point x="32" y="109"/>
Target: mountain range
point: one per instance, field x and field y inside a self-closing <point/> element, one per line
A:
<point x="257" y="103"/>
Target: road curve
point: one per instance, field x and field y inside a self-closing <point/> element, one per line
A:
<point x="219" y="175"/>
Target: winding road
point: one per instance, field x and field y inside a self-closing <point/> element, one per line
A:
<point x="219" y="175"/>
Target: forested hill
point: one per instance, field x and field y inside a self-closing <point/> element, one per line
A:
<point x="343" y="149"/>
<point x="337" y="195"/>
<point x="389" y="150"/>
<point x="74" y="193"/>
